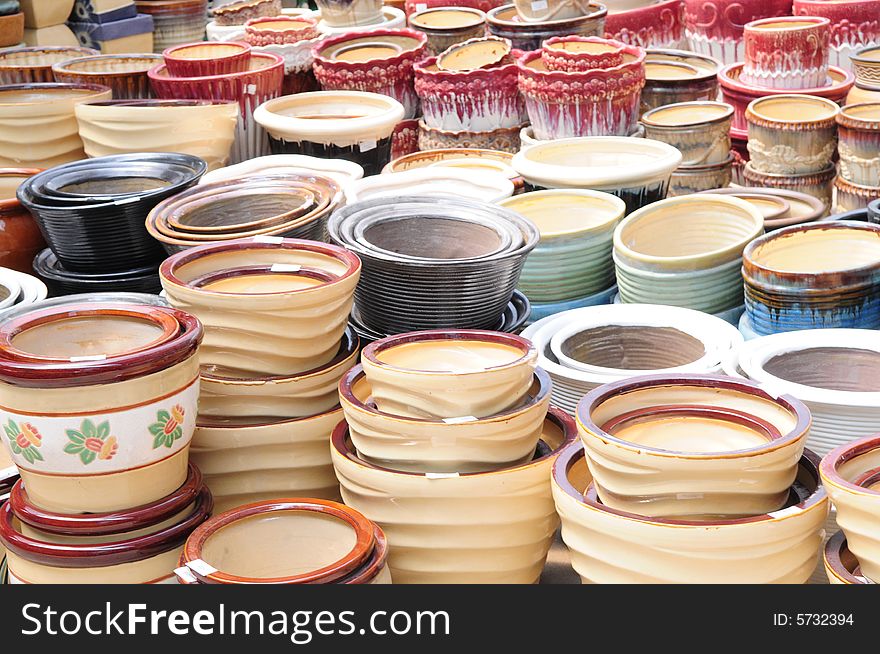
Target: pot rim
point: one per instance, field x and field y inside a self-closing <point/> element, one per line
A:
<point x="471" y="43"/>
<point x="824" y="175"/>
<point x="730" y="83"/>
<point x="599" y="395"/>
<point x="598" y="11"/>
<point x="155" y="103"/>
<point x="172" y="51"/>
<point x="422" y="68"/>
<point x="284" y="18"/>
<point x="817" y="21"/>
<point x="479" y="16"/>
<point x="716" y="64"/>
<point x="493" y="185"/>
<point x="87" y="52"/>
<point x="458" y="153"/>
<point x="63" y="66"/>
<point x="815" y="203"/>
<point x="159" y="73"/>
<point x="832" y="556"/>
<point x="96" y="89"/>
<point x="753" y="115"/>
<point x="831" y="462"/>
<point x="319" y="48"/>
<point x="618" y="206"/>
<point x="581" y="76"/>
<point x="727" y="115"/>
<point x="845" y="119"/>
<point x="24" y="173"/>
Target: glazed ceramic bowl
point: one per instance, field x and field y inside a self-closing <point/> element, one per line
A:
<point x="780" y="208"/>
<point x="390" y="18"/>
<point x="350" y="13"/>
<point x="505" y="139"/>
<point x="446" y="26"/>
<point x="468" y="538"/>
<point x="647" y="24"/>
<point x="79" y="441"/>
<point x="818" y="184"/>
<point x="552" y="10"/>
<point x="573" y="257"/>
<point x="37" y="124"/>
<point x="791" y="134"/>
<point x="787" y="52"/>
<point x="280" y="30"/>
<point x="505" y="21"/>
<point x="125" y="74"/>
<point x="241" y="11"/>
<point x="866" y="65"/>
<point x="34" y="65"/>
<point x="251" y="459"/>
<point x="685" y="251"/>
<point x="482" y="185"/>
<point x="61" y="281"/>
<point x="699" y="130"/>
<point x="20" y="237"/>
<point x="851" y="474"/>
<point x="841" y="565"/>
<point x="613" y="546"/>
<point x="207" y="59"/>
<point x="461" y="158"/>
<point x="859" y="141"/>
<point x="339" y="170"/>
<point x="581" y="53"/>
<point x="673" y="76"/>
<point x="816" y="275"/>
<point x="350" y="125"/>
<point x="687" y="180"/>
<point x="270" y="306"/>
<point x="693" y="447"/>
<point x="448" y="374"/>
<point x="305" y="541"/>
<point x="635" y="170"/>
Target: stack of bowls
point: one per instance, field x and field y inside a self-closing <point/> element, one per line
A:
<point x="584" y="348"/>
<point x="686" y="251"/>
<point x="286" y="542"/>
<point x="92" y="214"/>
<point x="84" y="383"/>
<point x="431" y="263"/>
<point x="20" y="237"/>
<point x="530" y="33"/>
<point x="291" y="204"/>
<point x="18" y="290"/>
<point x="340" y="170"/>
<point x="858" y="181"/>
<point x="818" y="275"/>
<point x="435" y="419"/>
<point x="276" y="344"/>
<point x="463" y="158"/>
<point x="124" y="74"/>
<point x="673" y="76"/>
<point x="34" y="65"/>
<point x="694" y="478"/>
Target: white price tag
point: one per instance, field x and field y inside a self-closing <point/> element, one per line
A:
<point x="285" y="267"/>
<point x="459" y="420"/>
<point x="200" y="567"/>
<point x="441" y="475"/>
<point x="539" y="5"/>
<point x="366" y="146"/>
<point x="93" y="357"/>
<point x="275" y="240"/>
<point x="186" y="575"/>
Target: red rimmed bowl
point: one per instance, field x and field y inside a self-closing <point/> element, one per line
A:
<point x="659" y="25"/>
<point x="787" y="52"/>
<point x="20" y="237"/>
<point x="34" y="64"/>
<point x="581" y="53"/>
<point x="207" y="59"/>
<point x="124" y="74"/>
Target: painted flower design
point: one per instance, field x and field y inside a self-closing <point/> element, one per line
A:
<point x="168" y="426"/>
<point x="24" y="439"/>
<point x="91" y="442"/>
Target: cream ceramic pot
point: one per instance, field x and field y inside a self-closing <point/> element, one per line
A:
<point x="275" y="164"/>
<point x="699" y="130"/>
<point x="493" y="527"/>
<point x="859" y="143"/>
<point x="449" y="374"/>
<point x="483" y="185"/>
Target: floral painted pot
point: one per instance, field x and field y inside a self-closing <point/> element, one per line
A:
<point x="380" y="61"/>
<point x="780" y="208"/>
<point x="597" y="102"/>
<point x="125" y="75"/>
<point x="280" y="30"/>
<point x="504" y="21"/>
<point x="817" y="275"/>
<point x="791" y="134"/>
<point x="350" y="13"/>
<point x="446" y="26"/>
<point x="841" y="565"/>
<point x="240" y="12"/>
<point x="124" y="399"/>
<point x="819" y="184"/>
<point x="573" y="257"/>
<point x="866" y="65"/>
<point x="34" y="65"/>
<point x="655" y="25"/>
<point x="858" y="129"/>
<point x="692" y="446"/>
<point x="351" y="125"/>
<point x="854" y="25"/>
<point x="674" y="76"/>
<point x="614" y="546"/>
<point x="849" y="196"/>
<point x="286" y="542"/>
<point x="787" y="52"/>
<point x="504" y="139"/>
<point x="251" y="459"/>
<point x="699" y="130"/>
<point x="265" y="311"/>
<point x="20" y="237"/>
<point x="473" y="514"/>
<point x="581" y="53"/>
<point x="207" y="59"/>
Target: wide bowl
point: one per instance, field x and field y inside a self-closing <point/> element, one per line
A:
<point x="779" y="207"/>
<point x="482" y="185"/>
<point x="34" y="65"/>
<point x="339" y="170"/>
<point x="207" y="59"/>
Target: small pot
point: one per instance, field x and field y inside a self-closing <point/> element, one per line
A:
<point x="849" y="196"/>
<point x="788" y="52"/>
<point x="504" y="139"/>
<point x="673" y="76"/>
<point x="505" y="22"/>
<point x="866" y="65"/>
<point x="780" y="208"/>
<point x="207" y="59"/>
<point x="853" y="25"/>
<point x="20" y="237"/>
<point x="819" y="184"/>
<point x="474" y="54"/>
<point x="533" y="12"/>
<point x="241" y="11"/>
<point x="34" y="65"/>
<point x="656" y="25"/>
<point x="581" y="53"/>
<point x="700" y="130"/>
<point x="11" y="29"/>
<point x="280" y="30"/>
<point x="687" y="180"/>
<point x="125" y="75"/>
<point x="858" y="128"/>
<point x="446" y="26"/>
<point x="350" y="13"/>
<point x="841" y="565"/>
<point x="175" y="21"/>
<point x="65" y="282"/>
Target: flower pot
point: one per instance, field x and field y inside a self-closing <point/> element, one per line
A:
<point x="656" y="25"/>
<point x="350" y="13"/>
<point x="687" y="180"/>
<point x="207" y="59"/>
<point x="240" y="12"/>
<point x="412" y="7"/>
<point x="849" y="196"/>
<point x="65" y="282"/>
<point x="673" y="76"/>
<point x="841" y="565"/>
<point x="11" y="29"/>
<point x="339" y="170"/>
<point x="581" y="53"/>
<point x="854" y="25"/>
<point x="467" y="158"/>
<point x="446" y="26"/>
<point x="125" y="75"/>
<point x="20" y="237"/>
<point x="175" y="21"/>
<point x="780" y="208"/>
<point x="699" y="130"/>
<point x="553" y="10"/>
<point x="866" y="65"/>
<point x="818" y="184"/>
<point x="506" y="23"/>
<point x="858" y="129"/>
<point x="484" y="186"/>
<point x="787" y="52"/>
<point x="715" y="28"/>
<point x="390" y="18"/>
<point x="504" y="139"/>
<point x="280" y="30"/>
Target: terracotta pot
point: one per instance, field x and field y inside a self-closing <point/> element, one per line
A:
<point x="673" y="76"/>
<point x="854" y="24"/>
<point x="125" y="75"/>
<point x="859" y="143"/>
<point x="286" y="542"/>
<point x="11" y="29"/>
<point x="819" y="184"/>
<point x="240" y="12"/>
<point x="787" y="52"/>
<point x="34" y="65"/>
<point x="849" y="196"/>
<point x="780" y="208"/>
<point x="581" y="53"/>
<point x="350" y="13"/>
<point x="598" y="102"/>
<point x="380" y="61"/>
<point x="20" y="237"/>
<point x="207" y="59"/>
<point x="467" y="539"/>
<point x="866" y="65"/>
<point x="656" y="25"/>
<point x="446" y="26"/>
<point x="280" y="30"/>
<point x="102" y="394"/>
<point x="505" y="22"/>
<point x="700" y="130"/>
<point x="841" y="565"/>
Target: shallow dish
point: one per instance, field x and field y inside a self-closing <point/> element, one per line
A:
<point x="485" y="186"/>
<point x="780" y="208"/>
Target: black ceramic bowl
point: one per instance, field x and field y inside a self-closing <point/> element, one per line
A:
<point x="61" y="281"/>
<point x="874" y="211"/>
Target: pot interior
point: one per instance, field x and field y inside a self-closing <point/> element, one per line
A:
<point x="131" y="64"/>
<point x="471" y="56"/>
<point x="433" y="238"/>
<point x="448" y="355"/>
<point x="585" y="47"/>
<point x="669" y="70"/>
<point x="829" y="368"/>
<point x="446" y="19"/>
<point x="332" y="107"/>
<point x="279" y="544"/>
<point x="564" y="213"/>
<point x="247" y="208"/>
<point x="769" y="206"/>
<point x="280" y="25"/>
<point x="814" y="251"/>
<point x="687" y="114"/>
<point x="115" y="186"/>
<point x="35" y="95"/>
<point x="869" y="111"/>
<point x="800" y="109"/>
<point x="633" y="347"/>
<point x="206" y="51"/>
<point x="869" y="54"/>
<point x="854" y="467"/>
<point x="368" y="48"/>
<point x="784" y="25"/>
<point x="602" y="154"/>
<point x="260" y="282"/>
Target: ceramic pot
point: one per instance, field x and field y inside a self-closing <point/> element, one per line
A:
<point x="390" y="18"/>
<point x="787" y="52"/>
<point x="207" y="59"/>
<point x="251" y="459"/>
<point x="673" y="76"/>
<point x="202" y="128"/>
<point x="699" y="130"/>
<point x="505" y="22"/>
<point x="841" y="566"/>
<point x="581" y="53"/>
<point x="576" y="232"/>
<point x="474" y="54"/>
<point x="734" y="91"/>
<point x="380" y="61"/>
<point x="715" y="28"/>
<point x="553" y="10"/>
<point x="286" y="542"/>
<point x="11" y="29"/>
<point x="263" y="313"/>
<point x="860" y="93"/>
<point x="612" y="546"/>
<point x="446" y="26"/>
<point x="37" y="123"/>
<point x="866" y="65"/>
<point x="260" y="83"/>
<point x="635" y="170"/>
<point x="350" y="125"/>
<point x="411" y="6"/>
<point x="819" y="184"/>
<point x="527" y="136"/>
<point x="691" y="447"/>
<point x="859" y="143"/>
<point x="854" y="25"/>
<point x="468" y="538"/>
<point x="125" y="75"/>
<point x="505" y="139"/>
<point x="20" y="237"/>
<point x="466" y="158"/>
<point x="339" y="170"/>
<point x="780" y="208"/>
<point x="791" y="134"/>
<point x="136" y="373"/>
<point x="814" y="275"/>
<point x="65" y="282"/>
<point x="30" y="291"/>
<point x="280" y="30"/>
<point x="597" y="102"/>
<point x="484" y="186"/>
<point x="175" y="21"/>
<point x="687" y="180"/>
<point x="849" y="196"/>
<point x="656" y="25"/>
<point x="350" y="13"/>
<point x="241" y="11"/>
<point x="34" y="65"/>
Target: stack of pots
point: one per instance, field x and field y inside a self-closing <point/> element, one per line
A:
<point x="701" y="131"/>
<point x="470" y="98"/>
<point x="688" y="252"/>
<point x="715" y="27"/>
<point x="34" y="65"/>
<point x="673" y="76"/>
<point x="288" y="541"/>
<point x="818" y="275"/>
<point x="18" y="290"/>
<point x="276" y="344"/>
<point x="528" y="30"/>
<point x="175" y="21"/>
<point x="734" y="497"/>
<point x="858" y="181"/>
<point x="433" y="263"/>
<point x="223" y="72"/>
<point x="792" y="140"/>
<point x="779" y="207"/>
<point x="292" y="38"/>
<point x="435" y="420"/>
<point x="100" y="408"/>
<point x="582" y="86"/>
<point x="92" y="214"/>
<point x="584" y="348"/>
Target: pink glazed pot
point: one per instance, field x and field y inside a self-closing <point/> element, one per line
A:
<point x="715" y="27"/>
<point x="787" y="52"/>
